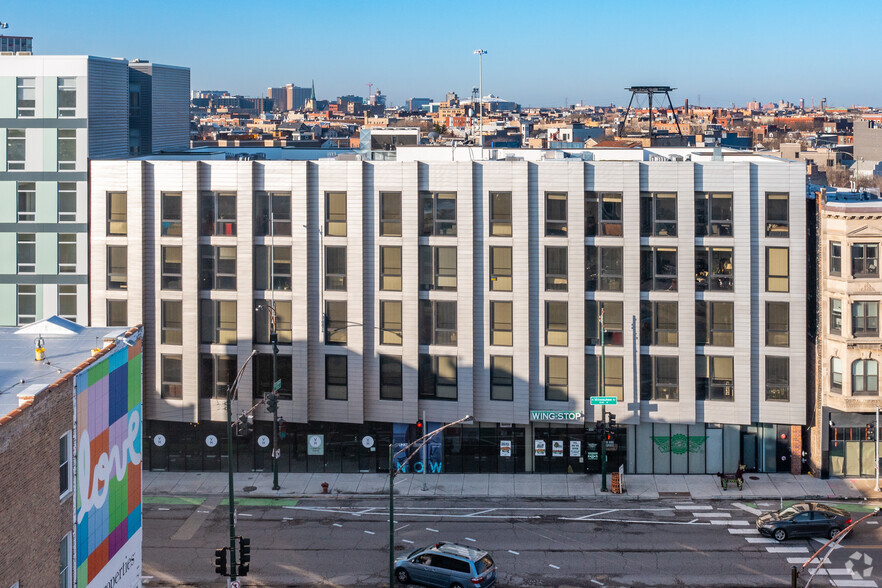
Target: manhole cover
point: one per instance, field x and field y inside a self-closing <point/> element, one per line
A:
<point x="753" y="477"/>
<point x="249" y="488"/>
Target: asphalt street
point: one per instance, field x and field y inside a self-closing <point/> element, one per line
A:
<point x="344" y="542"/>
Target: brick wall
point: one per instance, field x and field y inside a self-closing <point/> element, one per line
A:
<point x="33" y="520"/>
<point x="795" y="449"/>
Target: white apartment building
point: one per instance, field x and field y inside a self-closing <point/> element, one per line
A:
<point x="454" y="282"/>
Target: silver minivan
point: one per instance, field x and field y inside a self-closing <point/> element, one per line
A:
<point x="447" y="565"/>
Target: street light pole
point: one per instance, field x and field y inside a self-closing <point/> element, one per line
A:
<point x="273" y="405"/>
<point x="603" y="406"/>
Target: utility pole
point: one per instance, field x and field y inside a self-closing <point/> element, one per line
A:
<point x="602" y="431"/>
<point x="272" y="399"/>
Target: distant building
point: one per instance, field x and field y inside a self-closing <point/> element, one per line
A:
<point x="279" y="96"/>
<point x="16" y="44"/>
<point x="868" y="140"/>
<point x="159" y="118"/>
<point x="296" y="97"/>
<point x="414" y="104"/>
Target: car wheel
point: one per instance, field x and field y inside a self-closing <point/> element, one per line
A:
<point x="456" y="585"/>
<point x="779" y="534"/>
<point x="831" y="534"/>
<point x="402" y="576"/>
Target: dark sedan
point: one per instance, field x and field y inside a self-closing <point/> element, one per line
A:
<point x="804" y="519"/>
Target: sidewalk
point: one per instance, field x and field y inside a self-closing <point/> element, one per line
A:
<point x="551" y="486"/>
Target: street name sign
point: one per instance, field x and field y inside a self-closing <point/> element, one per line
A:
<point x="595" y="400"/>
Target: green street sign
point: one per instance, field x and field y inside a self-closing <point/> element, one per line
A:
<point x="595" y="400"/>
<point x="278" y="386"/>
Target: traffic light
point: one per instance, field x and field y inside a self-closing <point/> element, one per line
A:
<point x="871" y="432"/>
<point x="220" y="561"/>
<point x="244" y="555"/>
<point x="419" y="426"/>
<point x="598" y="426"/>
<point x="283" y="428"/>
<point x="243" y="427"/>
<point x="612" y="420"/>
<point x="272" y="402"/>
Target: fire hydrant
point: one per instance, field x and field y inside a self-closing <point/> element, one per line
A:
<point x="325" y="487"/>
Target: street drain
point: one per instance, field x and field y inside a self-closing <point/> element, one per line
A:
<point x="249" y="488"/>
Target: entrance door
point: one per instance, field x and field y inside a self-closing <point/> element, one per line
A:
<point x="748" y="451"/>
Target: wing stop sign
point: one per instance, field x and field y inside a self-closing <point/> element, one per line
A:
<point x="572" y="416"/>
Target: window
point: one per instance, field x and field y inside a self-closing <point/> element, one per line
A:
<point x="67" y="302"/>
<point x="27" y="202"/>
<point x="117" y="313"/>
<point x="172" y="322"/>
<point x="556" y="269"/>
<point x="67" y="202"/>
<point x="27" y="304"/>
<point x="865" y="260"/>
<point x="67" y="97"/>
<point x="713" y="214"/>
<point x="217" y="321"/>
<point x="335" y="268"/>
<point x="217" y="214"/>
<point x="715" y="323"/>
<point x="263" y="321"/>
<point x="65" y="575"/>
<point x="501" y="377"/>
<point x="778" y="324"/>
<point x="835" y="258"/>
<point x="67" y="149"/>
<point x="437" y="322"/>
<point x="272" y="267"/>
<point x="335" y="214"/>
<point x="501" y="323"/>
<point x="335" y="322"/>
<point x="116" y="213"/>
<point x="26" y="97"/>
<point x="603" y="214"/>
<point x="216" y="372"/>
<point x="437" y="377"/>
<point x="659" y="378"/>
<point x="835" y="316"/>
<point x="658" y="323"/>
<point x="613" y="327"/>
<point x="391" y="383"/>
<point x="836" y="375"/>
<point x="603" y="269"/>
<point x="67" y="253"/>
<point x="390" y="322"/>
<point x="262" y="372"/>
<point x="613" y="374"/>
<point x="714" y="378"/>
<point x="390" y="268"/>
<point x="556" y="377"/>
<point x="27" y="253"/>
<point x="500" y="214"/>
<point x="217" y="270"/>
<point x="171" y="267"/>
<point x="777" y="378"/>
<point x="15" y="149"/>
<point x="390" y="214"/>
<point x="556" y="323"/>
<point x="500" y="269"/>
<point x="171" y="214"/>
<point x="713" y="269"/>
<point x="777" y="269"/>
<point x="172" y="376"/>
<point x="438" y="214"/>
<point x="658" y="214"/>
<point x="865" y="377"/>
<point x="437" y="268"/>
<point x="65" y="465"/>
<point x="777" y="223"/>
<point x="134" y="100"/>
<point x="555" y="214"/>
<point x="865" y="319"/>
<point x="658" y="269"/>
<point x="272" y="214"/>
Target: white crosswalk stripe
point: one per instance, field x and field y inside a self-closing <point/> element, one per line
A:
<point x="787" y="549"/>
<point x="712" y="515"/>
<point x="855" y="583"/>
<point x="743" y="531"/>
<point x="760" y="540"/>
<point x="729" y="522"/>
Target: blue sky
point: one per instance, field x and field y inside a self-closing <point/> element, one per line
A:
<point x="539" y="52"/>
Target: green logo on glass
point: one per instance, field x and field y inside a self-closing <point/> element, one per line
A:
<point x="679" y="444"/>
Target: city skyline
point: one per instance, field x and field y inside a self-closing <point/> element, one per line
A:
<point x="769" y="57"/>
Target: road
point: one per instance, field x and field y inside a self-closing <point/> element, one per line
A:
<point x="603" y="542"/>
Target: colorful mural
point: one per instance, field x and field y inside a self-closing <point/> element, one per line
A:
<point x="109" y="417"/>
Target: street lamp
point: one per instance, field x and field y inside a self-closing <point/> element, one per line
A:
<point x="481" y="53"/>
<point x="603" y="407"/>
<point x="272" y="399"/>
<point x="394" y="472"/>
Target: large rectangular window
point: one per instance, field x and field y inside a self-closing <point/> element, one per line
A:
<point x="117" y="313"/>
<point x="777" y="269"/>
<point x="865" y="377"/>
<point x="613" y="322"/>
<point x="715" y="323"/>
<point x="603" y="214"/>
<point x="713" y="269"/>
<point x="26" y="253"/>
<point x="659" y="378"/>
<point x="390" y="214"/>
<point x="172" y="376"/>
<point x="391" y="383"/>
<point x="556" y="323"/>
<point x="67" y="149"/>
<point x="778" y="324"/>
<point x="67" y="202"/>
<point x="67" y="253"/>
<point x="67" y="302"/>
<point x="390" y="269"/>
<point x="27" y="201"/>
<point x="500" y="269"/>
<point x="555" y="214"/>
<point x="171" y="326"/>
<point x="65" y="465"/>
<point x="216" y="372"/>
<point x="272" y="267"/>
<point x="16" y="149"/>
<point x="714" y="378"/>
<point x="336" y="323"/>
<point x="117" y="267"/>
<point x="835" y="258"/>
<point x="263" y="321"/>
<point x="603" y="269"/>
<point x="438" y="214"/>
<point x="26" y="97"/>
<point x="437" y="269"/>
<point x="835" y="316"/>
<point x="171" y="214"/>
<point x="777" y="215"/>
<point x="613" y="374"/>
<point x="335" y="214"/>
<point x="777" y="378"/>
<point x="437" y="322"/>
<point x="335" y="268"/>
<point x="65" y="574"/>
<point x="272" y="214"/>
<point x="556" y="378"/>
<point x="500" y="214"/>
<point x="658" y="269"/>
<point x="67" y="97"/>
<point x="217" y="214"/>
<point x="171" y="265"/>
<point x="713" y="214"/>
<point x="116" y="213"/>
<point x="865" y="260"/>
<point x="217" y="268"/>
<point x="865" y="318"/>
<point x="390" y="322"/>
<point x="501" y="323"/>
<point x="217" y="321"/>
<point x="501" y="378"/>
<point x="836" y="375"/>
<point x="26" y="295"/>
<point x="658" y="214"/>
<point x="556" y="269"/>
<point x="658" y="323"/>
<point x="437" y="377"/>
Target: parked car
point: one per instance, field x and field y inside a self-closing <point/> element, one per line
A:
<point x="447" y="565"/>
<point x="804" y="519"/>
